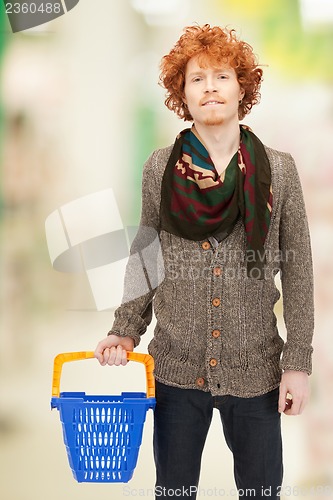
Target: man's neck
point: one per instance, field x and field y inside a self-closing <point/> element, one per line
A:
<point x="219" y="140"/>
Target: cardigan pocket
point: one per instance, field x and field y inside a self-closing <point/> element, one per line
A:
<point x="259" y="335"/>
<point x="252" y="338"/>
<point x="174" y="313"/>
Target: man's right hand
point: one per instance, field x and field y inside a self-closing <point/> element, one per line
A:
<point x="113" y="350"/>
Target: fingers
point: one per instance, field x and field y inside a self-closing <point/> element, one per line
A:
<point x="111" y="355"/>
<point x="101" y="351"/>
<point x="296" y="405"/>
<point x="113" y="350"/>
<point x="116" y="356"/>
<point x="291" y="405"/>
<point x="282" y="399"/>
<point x="288" y="404"/>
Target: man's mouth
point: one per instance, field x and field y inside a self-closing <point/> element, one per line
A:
<point x="211" y="103"/>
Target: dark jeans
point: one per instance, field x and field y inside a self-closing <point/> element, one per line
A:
<point x="251" y="428"/>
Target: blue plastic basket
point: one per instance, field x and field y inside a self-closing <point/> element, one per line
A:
<point x="102" y="434"/>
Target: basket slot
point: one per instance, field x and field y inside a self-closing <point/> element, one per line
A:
<point x="103" y="439"/>
<point x="102" y="476"/>
<point x="94" y="460"/>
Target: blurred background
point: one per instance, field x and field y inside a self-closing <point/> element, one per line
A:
<point x="80" y="112"/>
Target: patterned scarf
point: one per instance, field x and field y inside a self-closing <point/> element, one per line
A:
<point x="198" y="203"/>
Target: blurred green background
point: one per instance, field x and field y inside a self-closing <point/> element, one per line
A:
<point x="80" y="111"/>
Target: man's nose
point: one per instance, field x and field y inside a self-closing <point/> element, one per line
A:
<point x="210" y="85"/>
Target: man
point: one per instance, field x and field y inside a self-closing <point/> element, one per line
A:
<point x="230" y="215"/>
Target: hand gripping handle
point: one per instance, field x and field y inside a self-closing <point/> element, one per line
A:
<point x="65" y="357"/>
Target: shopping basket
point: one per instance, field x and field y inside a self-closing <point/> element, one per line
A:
<point x="102" y="434"/>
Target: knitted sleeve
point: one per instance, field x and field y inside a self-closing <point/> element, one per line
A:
<point x="143" y="270"/>
<point x="296" y="274"/>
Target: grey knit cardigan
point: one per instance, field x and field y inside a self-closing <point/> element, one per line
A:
<point x="215" y="326"/>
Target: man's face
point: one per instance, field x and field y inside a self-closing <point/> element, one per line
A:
<point x="212" y="95"/>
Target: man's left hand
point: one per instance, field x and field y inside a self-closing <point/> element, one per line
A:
<point x="296" y="385"/>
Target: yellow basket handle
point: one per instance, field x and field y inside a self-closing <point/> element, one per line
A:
<point x="65" y="357"/>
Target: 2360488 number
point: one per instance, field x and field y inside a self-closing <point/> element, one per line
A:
<point x="306" y="491"/>
<point x="33" y="8"/>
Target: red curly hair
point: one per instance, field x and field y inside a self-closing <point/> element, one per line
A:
<point x="213" y="46"/>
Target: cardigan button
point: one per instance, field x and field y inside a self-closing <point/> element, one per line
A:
<point x="213" y="362"/>
<point x="216" y="334"/>
<point x="217" y="271"/>
<point x="216" y="302"/>
<point x="206" y="245"/>
<point x="200" y="382"/>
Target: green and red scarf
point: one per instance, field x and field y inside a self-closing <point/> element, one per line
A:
<point x="197" y="203"/>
